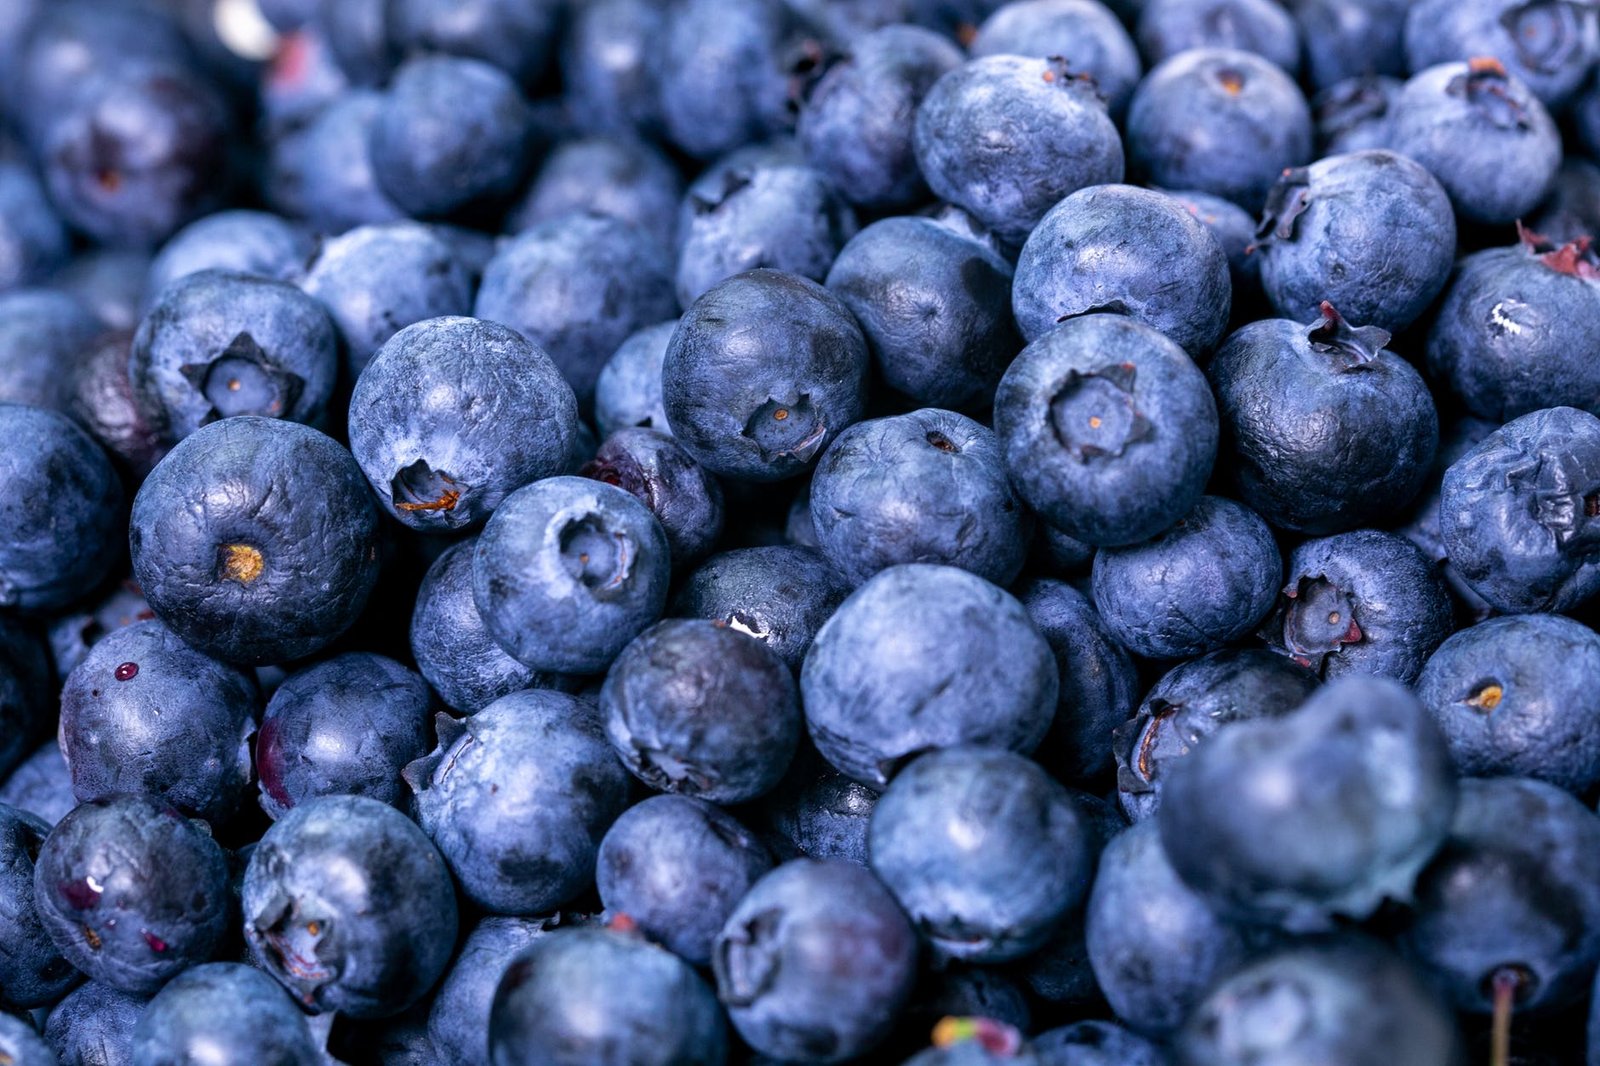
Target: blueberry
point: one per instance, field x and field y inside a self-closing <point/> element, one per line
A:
<point x="1353" y="115"/>
<point x="132" y="892"/>
<point x="1365" y="603"/>
<point x="226" y="1012"/>
<point x="146" y="713"/>
<point x="1095" y="1043"/>
<point x="109" y="282"/>
<point x="517" y="798"/>
<point x="1351" y="38"/>
<point x="923" y="657"/>
<point x="41" y="785"/>
<point x="1109" y="429"/>
<point x="697" y="708"/>
<point x="94" y="1025"/>
<point x="1191" y="702"/>
<point x="43" y="333"/>
<point x="685" y="499"/>
<point x="1006" y="137"/>
<point x="657" y="1011"/>
<point x="1234" y="229"/>
<point x="1085" y="31"/>
<point x="1517" y="513"/>
<point x="1155" y="945"/>
<point x="322" y="171"/>
<point x="627" y="392"/>
<point x="1331" y="808"/>
<point x="60" y="513"/>
<point x="1329" y="228"/>
<point x="1327" y="429"/>
<point x="1059" y="975"/>
<point x="1549" y="46"/>
<point x="611" y="62"/>
<point x="103" y="399"/>
<point x="1572" y="209"/>
<point x="815" y="962"/>
<point x="762" y="373"/>
<point x="568" y="571"/>
<point x="1514" y="145"/>
<point x="454" y="414"/>
<point x="361" y="34"/>
<point x="219" y="344"/>
<point x="515" y="35"/>
<point x="983" y="849"/>
<point x="934" y="305"/>
<point x="618" y="177"/>
<point x="675" y="867"/>
<point x="376" y="279"/>
<point x="302" y="77"/>
<point x="20" y="1043"/>
<point x="243" y="242"/>
<point x="27" y="695"/>
<point x="350" y="907"/>
<point x="1257" y="27"/>
<point x="856" y="126"/>
<point x="458" y="1021"/>
<point x="279" y="559"/>
<point x="578" y="286"/>
<point x="1207" y="97"/>
<point x="32" y="970"/>
<point x="33" y="239"/>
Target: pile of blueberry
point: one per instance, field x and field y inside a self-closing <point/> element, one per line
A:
<point x="701" y="532"/>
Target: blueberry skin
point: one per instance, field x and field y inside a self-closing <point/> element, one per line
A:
<point x="1085" y="31"/>
<point x="60" y="513"/>
<point x="1326" y="429"/>
<point x="1109" y="429"/>
<point x="109" y="282"/>
<point x="610" y="62"/>
<point x="1513" y="887"/>
<point x="1333" y="807"/>
<point x="450" y="134"/>
<point x="1128" y="251"/>
<point x="242" y="242"/>
<point x="1512" y="699"/>
<point x="935" y="307"/>
<point x="41" y="785"/>
<point x="1006" y="137"/>
<point x="145" y="713"/>
<point x="817" y="813"/>
<point x="762" y="373"/>
<point x="517" y="798"/>
<point x="282" y="558"/>
<point x="657" y="1010"/>
<point x="348" y="904"/>
<point x="1191" y="702"/>
<point x="1202" y="584"/>
<point x="1514" y="150"/>
<point x="454" y="414"/>
<point x="32" y="970"/>
<point x="925" y="487"/>
<point x="618" y="177"/>
<point x="516" y="36"/>
<point x="322" y="171"/>
<point x="781" y="962"/>
<point x="568" y="571"/>
<point x="1550" y="47"/>
<point x="1355" y="1002"/>
<point x="1362" y="603"/>
<point x="1001" y="897"/>
<point x="1572" y="209"/>
<point x="890" y="676"/>
<point x="1095" y="1043"/>
<point x="780" y="595"/>
<point x="1262" y="28"/>
<point x="451" y="645"/>
<point x="697" y="708"/>
<point x="1190" y="106"/>
<point x="1234" y="229"/>
<point x="856" y="126"/>
<point x="676" y="867"/>
<point x="1351" y="38"/>
<point x="1156" y="947"/>
<point x="578" y="286"/>
<point x="1099" y="685"/>
<point x="685" y="499"/>
<point x="104" y="400"/>
<point x="1353" y="115"/>
<point x="346" y="726"/>
<point x="93" y="1026"/>
<point x="33" y="239"/>
<point x="225" y="1011"/>
<point x="627" y="392"/>
<point x="214" y="328"/>
<point x="376" y="279"/>
<point x="1508" y="310"/>
<point x="1514" y="512"/>
<point x="132" y="892"/>
<point x="20" y="1043"/>
<point x="771" y="213"/>
<point x="1331" y="228"/>
<point x="42" y="333"/>
<point x="458" y="1020"/>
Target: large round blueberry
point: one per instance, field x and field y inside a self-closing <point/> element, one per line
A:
<point x="223" y="1012"/>
<point x="256" y="540"/>
<point x="627" y="392"/>
<point x="682" y="495"/>
<point x="452" y="415"/>
<point x="762" y="373"/>
<point x="240" y="241"/>
<point x="517" y="798"/>
<point x="1108" y="427"/>
<point x="146" y="713"/>
<point x="33" y="972"/>
<point x="568" y="571"/>
<point x="983" y="849"/>
<point x="780" y="595"/>
<point x="1085" y="31"/>
<point x="350" y="907"/>
<point x="925" y="657"/>
<point x="1550" y="46"/>
<point x="458" y="1020"/>
<point x="132" y="892"/>
<point x="623" y="178"/>
<point x="94" y="1026"/>
<point x="59" y="513"/>
<point x="815" y="962"/>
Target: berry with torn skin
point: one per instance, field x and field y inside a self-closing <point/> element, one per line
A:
<point x="685" y="499"/>
<point x="780" y="595"/>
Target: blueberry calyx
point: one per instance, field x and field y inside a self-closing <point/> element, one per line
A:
<point x="1576" y="258"/>
<point x="1350" y="346"/>
<point x="1060" y="74"/>
<point x="241" y="380"/>
<point x="240" y="562"/>
<point x="419" y="487"/>
<point x="1320" y="619"/>
<point x="1287" y="200"/>
<point x="733" y="181"/>
<point x="1094" y="415"/>
<point x="746" y="960"/>
<point x="787" y="430"/>
<point x="596" y="557"/>
<point x="1487" y="87"/>
<point x="1138" y="739"/>
<point x="1547" y="35"/>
